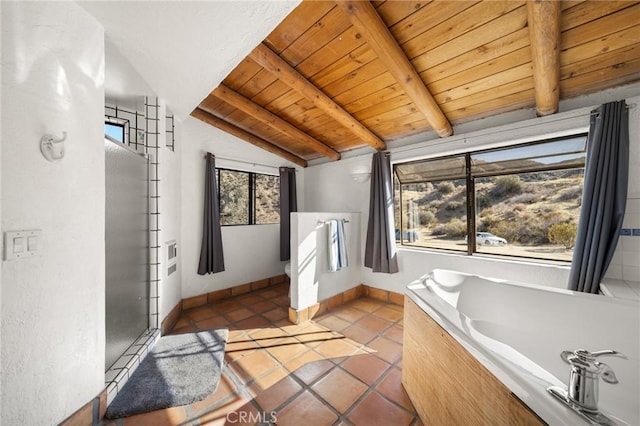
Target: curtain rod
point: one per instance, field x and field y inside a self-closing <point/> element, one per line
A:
<point x="444" y="141"/>
<point x="626" y="106"/>
<point x="253" y="163"/>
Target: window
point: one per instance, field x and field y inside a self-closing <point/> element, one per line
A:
<point x="267" y="199"/>
<point x="248" y="198"/>
<point x="116" y="130"/>
<point x="517" y="201"/>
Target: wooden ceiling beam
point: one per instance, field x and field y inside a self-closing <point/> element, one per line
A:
<point x="288" y="75"/>
<point x="265" y="116"/>
<point x="225" y="126"/>
<point x="365" y="19"/>
<point x="544" y="32"/>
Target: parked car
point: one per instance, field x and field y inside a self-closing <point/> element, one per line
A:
<point x="411" y="236"/>
<point x="488" y="239"/>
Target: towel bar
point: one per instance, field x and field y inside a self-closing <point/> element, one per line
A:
<point x="324" y="222"/>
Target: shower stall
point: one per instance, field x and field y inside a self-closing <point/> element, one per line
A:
<point x="126" y="248"/>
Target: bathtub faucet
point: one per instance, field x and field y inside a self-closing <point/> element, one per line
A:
<point x="582" y="393"/>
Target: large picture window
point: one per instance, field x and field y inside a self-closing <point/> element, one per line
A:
<point x="517" y="201"/>
<point x="248" y="198"/>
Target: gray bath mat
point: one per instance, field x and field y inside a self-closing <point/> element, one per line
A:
<point x="179" y="370"/>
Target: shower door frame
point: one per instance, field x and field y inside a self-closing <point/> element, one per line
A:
<point x="143" y="332"/>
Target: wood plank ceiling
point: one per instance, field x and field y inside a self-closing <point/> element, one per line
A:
<point x="336" y="76"/>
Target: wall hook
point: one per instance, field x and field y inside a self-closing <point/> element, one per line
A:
<point x="53" y="149"/>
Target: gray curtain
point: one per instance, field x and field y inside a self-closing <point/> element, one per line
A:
<point x="288" y="204"/>
<point x="604" y="196"/>
<point x="380" y="249"/>
<point x="211" y="256"/>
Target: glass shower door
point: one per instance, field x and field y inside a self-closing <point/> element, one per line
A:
<point x="126" y="249"/>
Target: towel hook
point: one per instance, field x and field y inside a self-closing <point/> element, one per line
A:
<point x="53" y="149"/>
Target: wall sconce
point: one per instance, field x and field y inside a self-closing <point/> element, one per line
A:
<point x="360" y="177"/>
<point x="53" y="149"/>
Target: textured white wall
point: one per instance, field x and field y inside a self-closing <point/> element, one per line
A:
<point x="52" y="305"/>
<point x="311" y="281"/>
<point x="329" y="188"/>
<point x="251" y="252"/>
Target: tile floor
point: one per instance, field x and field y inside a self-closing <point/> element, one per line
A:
<point x="342" y="368"/>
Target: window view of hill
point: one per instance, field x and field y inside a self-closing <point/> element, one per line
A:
<point x="234" y="197"/>
<point x="531" y="214"/>
<point x="267" y="201"/>
<point x="235" y="194"/>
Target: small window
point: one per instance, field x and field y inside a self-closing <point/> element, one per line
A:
<point x="519" y="201"/>
<point x="248" y="198"/>
<point x="116" y="129"/>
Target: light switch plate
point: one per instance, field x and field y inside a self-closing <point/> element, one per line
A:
<point x="29" y="244"/>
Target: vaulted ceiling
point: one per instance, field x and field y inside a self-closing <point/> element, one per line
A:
<point x="335" y="76"/>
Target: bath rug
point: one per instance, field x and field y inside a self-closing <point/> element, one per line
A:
<point x="179" y="370"/>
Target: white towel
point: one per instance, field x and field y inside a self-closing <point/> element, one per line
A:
<point x="336" y="245"/>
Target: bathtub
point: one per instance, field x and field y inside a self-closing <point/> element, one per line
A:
<point x="517" y="331"/>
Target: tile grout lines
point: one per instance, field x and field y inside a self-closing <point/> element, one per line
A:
<point x="366" y="326"/>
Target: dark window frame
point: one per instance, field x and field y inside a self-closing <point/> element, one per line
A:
<point x="251" y="214"/>
<point x="122" y="124"/>
<point x="470" y="177"/>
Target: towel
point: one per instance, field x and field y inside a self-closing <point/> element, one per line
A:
<point x="337" y="245"/>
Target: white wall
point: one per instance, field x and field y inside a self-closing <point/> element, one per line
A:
<point x="311" y="281"/>
<point x="53" y="315"/>
<point x="329" y="187"/>
<point x="251" y="252"/>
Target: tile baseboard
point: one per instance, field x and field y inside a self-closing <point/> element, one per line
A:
<point x="215" y="296"/>
<point x="362" y="290"/>
<point x="89" y="414"/>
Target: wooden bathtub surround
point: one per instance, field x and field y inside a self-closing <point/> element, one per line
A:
<point x="447" y="385"/>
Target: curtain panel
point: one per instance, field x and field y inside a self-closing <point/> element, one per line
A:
<point x="604" y="196"/>
<point x="211" y="255"/>
<point x="288" y="204"/>
<point x="380" y="249"/>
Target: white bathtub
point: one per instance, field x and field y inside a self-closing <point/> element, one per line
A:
<point x="518" y="331"/>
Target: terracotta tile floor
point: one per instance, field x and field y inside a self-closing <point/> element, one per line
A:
<point x="343" y="368"/>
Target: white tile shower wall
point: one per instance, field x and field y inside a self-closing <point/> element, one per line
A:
<point x="136" y="122"/>
<point x="152" y="146"/>
<point x="148" y="114"/>
<point x="625" y="264"/>
<point x="118" y="374"/>
<point x="153" y="118"/>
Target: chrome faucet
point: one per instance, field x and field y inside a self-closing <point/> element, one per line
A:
<point x="582" y="393"/>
